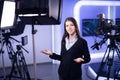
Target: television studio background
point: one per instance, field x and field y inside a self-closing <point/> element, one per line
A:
<point x="38" y="25"/>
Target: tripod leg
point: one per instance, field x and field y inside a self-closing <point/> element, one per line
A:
<point x="18" y="65"/>
<point x="118" y="52"/>
<point x="2" y="53"/>
<point x="12" y="70"/>
<point x="110" y="58"/>
<point x="13" y="57"/>
<point x="103" y="62"/>
<point x="110" y="63"/>
<point x="117" y="70"/>
<point x="24" y="66"/>
<point x="4" y="77"/>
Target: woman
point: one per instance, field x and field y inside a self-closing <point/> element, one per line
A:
<point x="74" y="52"/>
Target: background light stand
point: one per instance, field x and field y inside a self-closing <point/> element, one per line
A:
<point x="30" y="21"/>
<point x="17" y="59"/>
<point x="39" y="12"/>
<point x="6" y="5"/>
<point x="34" y="53"/>
<point x="8" y="29"/>
<point x="2" y="53"/>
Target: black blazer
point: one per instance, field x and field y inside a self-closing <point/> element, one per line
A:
<point x="68" y="68"/>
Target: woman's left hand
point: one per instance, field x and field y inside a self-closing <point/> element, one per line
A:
<point x="78" y="60"/>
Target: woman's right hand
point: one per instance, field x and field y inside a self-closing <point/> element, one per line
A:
<point x="47" y="52"/>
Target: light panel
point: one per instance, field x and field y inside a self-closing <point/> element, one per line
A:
<point x="8" y="14"/>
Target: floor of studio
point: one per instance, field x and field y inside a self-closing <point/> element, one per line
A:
<point x="44" y="71"/>
<point x="48" y="71"/>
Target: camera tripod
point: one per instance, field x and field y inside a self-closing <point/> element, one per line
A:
<point x="20" y="63"/>
<point x="19" y="68"/>
<point x="108" y="57"/>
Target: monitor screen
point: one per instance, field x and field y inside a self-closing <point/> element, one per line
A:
<point x="118" y="25"/>
<point x="117" y="21"/>
<point x="89" y="26"/>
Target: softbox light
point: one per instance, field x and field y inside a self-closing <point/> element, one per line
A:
<point x="8" y="15"/>
<point x="43" y="12"/>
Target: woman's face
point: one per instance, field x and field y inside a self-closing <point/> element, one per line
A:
<point x="70" y="27"/>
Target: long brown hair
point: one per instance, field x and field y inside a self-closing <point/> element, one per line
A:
<point x="76" y="27"/>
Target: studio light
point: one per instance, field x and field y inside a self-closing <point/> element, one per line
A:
<point x="40" y="12"/>
<point x="8" y="15"/>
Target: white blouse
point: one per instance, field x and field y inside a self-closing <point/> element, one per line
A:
<point x="69" y="45"/>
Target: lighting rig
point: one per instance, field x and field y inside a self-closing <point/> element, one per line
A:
<point x="9" y="25"/>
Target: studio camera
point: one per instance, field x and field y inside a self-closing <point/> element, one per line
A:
<point x="112" y="33"/>
<point x="107" y="30"/>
